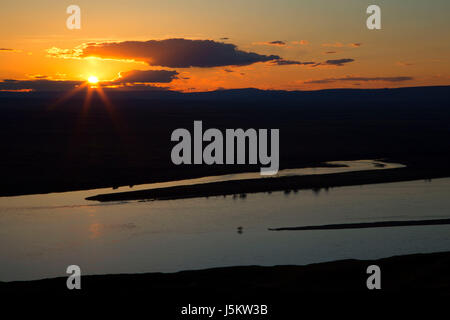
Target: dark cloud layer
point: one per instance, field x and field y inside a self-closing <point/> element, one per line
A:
<point x="146" y="76"/>
<point x="133" y="79"/>
<point x="38" y="85"/>
<point x="363" y="79"/>
<point x="177" y="53"/>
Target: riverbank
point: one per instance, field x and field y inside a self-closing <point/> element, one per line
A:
<point x="287" y="184"/>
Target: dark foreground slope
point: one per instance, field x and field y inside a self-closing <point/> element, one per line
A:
<point x="286" y="289"/>
<point x="48" y="146"/>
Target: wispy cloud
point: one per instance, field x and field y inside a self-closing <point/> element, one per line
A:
<point x="327" y="63"/>
<point x="338" y="62"/>
<point x="278" y="43"/>
<point x="334" y="63"/>
<point x="341" y="45"/>
<point x="282" y="62"/>
<point x="9" y="50"/>
<point x="361" y="79"/>
<point x="38" y="76"/>
<point x="404" y="64"/>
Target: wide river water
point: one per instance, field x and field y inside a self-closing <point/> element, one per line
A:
<point x="40" y="235"/>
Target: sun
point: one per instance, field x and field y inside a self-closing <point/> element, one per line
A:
<point x="93" y="79"/>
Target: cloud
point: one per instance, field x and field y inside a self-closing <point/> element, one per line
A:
<point x="341" y="45"/>
<point x="172" y="53"/>
<point x="277" y="43"/>
<point x="387" y="79"/>
<point x="9" y="50"/>
<point x="38" y="76"/>
<point x="404" y="64"/>
<point x="329" y="52"/>
<point x="146" y="76"/>
<point x="272" y="43"/>
<point x="320" y="81"/>
<point x="134" y="79"/>
<point x="38" y="85"/>
<point x="338" y="62"/>
<point x="362" y="79"/>
<point x="282" y="62"/>
<point x="55" y="52"/>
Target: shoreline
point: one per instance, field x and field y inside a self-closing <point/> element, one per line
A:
<point x="187" y="175"/>
<point x="287" y="184"/>
<point x="366" y="225"/>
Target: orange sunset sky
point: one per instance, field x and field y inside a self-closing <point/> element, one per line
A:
<point x="283" y="44"/>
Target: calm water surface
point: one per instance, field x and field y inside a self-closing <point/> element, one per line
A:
<point x="40" y="235"/>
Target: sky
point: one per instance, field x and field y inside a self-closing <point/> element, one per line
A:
<point x="203" y="45"/>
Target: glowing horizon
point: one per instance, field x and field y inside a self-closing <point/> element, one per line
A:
<point x="320" y="45"/>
